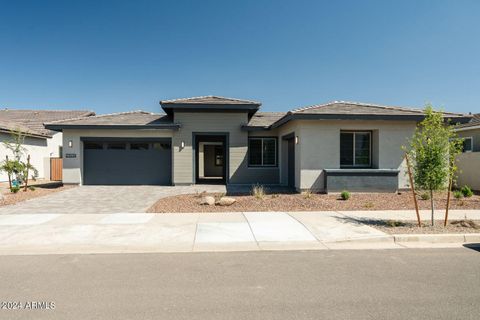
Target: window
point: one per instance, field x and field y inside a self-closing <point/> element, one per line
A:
<point x="116" y="146"/>
<point x="89" y="145"/>
<point x="262" y="152"/>
<point x="355" y="149"/>
<point x="138" y="146"/>
<point x="218" y="156"/>
<point x="468" y="144"/>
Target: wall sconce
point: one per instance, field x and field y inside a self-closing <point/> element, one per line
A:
<point x="70" y="143"/>
<point x="296" y="139"/>
<point x="182" y="144"/>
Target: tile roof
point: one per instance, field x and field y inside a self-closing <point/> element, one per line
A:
<point x="135" y="118"/>
<point x="347" y="107"/>
<point x="265" y="119"/>
<point x="31" y="122"/>
<point x="210" y="100"/>
<point x="473" y="123"/>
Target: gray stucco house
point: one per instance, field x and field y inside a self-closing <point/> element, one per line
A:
<point x="210" y="139"/>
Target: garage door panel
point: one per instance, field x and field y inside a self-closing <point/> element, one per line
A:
<point x="128" y="167"/>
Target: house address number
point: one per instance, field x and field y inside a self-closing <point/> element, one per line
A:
<point x="70" y="155"/>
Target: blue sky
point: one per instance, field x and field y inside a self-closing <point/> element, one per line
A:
<point x="111" y="56"/>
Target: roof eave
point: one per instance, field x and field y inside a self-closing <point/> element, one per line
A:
<point x="60" y="127"/>
<point x="28" y="134"/>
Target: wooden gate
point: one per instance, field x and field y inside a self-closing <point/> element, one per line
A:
<point x="56" y="169"/>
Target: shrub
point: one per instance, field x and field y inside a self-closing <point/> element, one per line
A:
<point x="15" y="189"/>
<point x="307" y="194"/>
<point x="345" y="195"/>
<point x="425" y="196"/>
<point x="258" y="191"/>
<point x="457" y="194"/>
<point x="466" y="191"/>
<point x="369" y="205"/>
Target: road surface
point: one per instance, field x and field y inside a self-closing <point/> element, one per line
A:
<point x="376" y="284"/>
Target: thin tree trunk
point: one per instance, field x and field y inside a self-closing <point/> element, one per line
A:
<point x="433" y="207"/>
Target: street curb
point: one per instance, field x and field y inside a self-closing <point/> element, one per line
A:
<point x="438" y="238"/>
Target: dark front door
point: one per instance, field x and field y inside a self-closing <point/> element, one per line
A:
<point x="211" y="159"/>
<point x="291" y="162"/>
<point x="127" y="162"/>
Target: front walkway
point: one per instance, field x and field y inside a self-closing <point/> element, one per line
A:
<point x="103" y="199"/>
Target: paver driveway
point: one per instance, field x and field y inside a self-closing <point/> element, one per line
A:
<point x="103" y="199"/>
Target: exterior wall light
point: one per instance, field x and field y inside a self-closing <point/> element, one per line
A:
<point x="70" y="143"/>
<point x="182" y="144"/>
<point x="296" y="139"/>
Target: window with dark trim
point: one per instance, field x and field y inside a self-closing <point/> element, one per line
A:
<point x="467" y="144"/>
<point x="262" y="152"/>
<point x="355" y="149"/>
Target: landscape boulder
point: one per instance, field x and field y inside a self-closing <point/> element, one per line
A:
<point x="208" y="201"/>
<point x="226" y="201"/>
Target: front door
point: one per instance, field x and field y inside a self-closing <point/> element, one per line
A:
<point x="210" y="159"/>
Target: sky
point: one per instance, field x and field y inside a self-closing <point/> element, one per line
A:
<point x="114" y="56"/>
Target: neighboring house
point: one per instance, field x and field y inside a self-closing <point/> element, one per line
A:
<point x="469" y="161"/>
<point x="40" y="143"/>
<point x="329" y="147"/>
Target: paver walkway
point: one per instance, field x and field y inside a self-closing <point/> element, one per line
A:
<point x="103" y="199"/>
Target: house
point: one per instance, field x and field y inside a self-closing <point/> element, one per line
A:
<point x="40" y="143"/>
<point x="210" y="139"/>
<point x="469" y="160"/>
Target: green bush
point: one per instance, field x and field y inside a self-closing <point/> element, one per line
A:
<point x="345" y="195"/>
<point x="425" y="196"/>
<point x="466" y="191"/>
<point x="457" y="194"/>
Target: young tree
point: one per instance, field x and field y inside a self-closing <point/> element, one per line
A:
<point x="433" y="151"/>
<point x="16" y="168"/>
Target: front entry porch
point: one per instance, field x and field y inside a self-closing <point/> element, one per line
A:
<point x="211" y="157"/>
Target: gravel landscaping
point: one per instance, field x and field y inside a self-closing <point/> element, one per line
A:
<point x="311" y="202"/>
<point x="411" y="227"/>
<point x="38" y="190"/>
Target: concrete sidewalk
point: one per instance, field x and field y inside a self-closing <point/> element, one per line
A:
<point x="187" y="232"/>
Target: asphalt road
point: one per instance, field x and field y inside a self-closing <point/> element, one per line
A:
<point x="376" y="284"/>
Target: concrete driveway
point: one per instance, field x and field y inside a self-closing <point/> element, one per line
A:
<point x="103" y="199"/>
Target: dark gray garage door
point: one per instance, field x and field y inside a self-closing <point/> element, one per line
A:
<point x="127" y="162"/>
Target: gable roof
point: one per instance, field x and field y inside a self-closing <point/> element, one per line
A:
<point x="122" y="120"/>
<point x="30" y="122"/>
<point x="344" y="110"/>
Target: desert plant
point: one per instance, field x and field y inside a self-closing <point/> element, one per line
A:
<point x="433" y="151"/>
<point x="307" y="194"/>
<point x="425" y="196"/>
<point x="16" y="168"/>
<point x="369" y="205"/>
<point x="466" y="191"/>
<point x="258" y="191"/>
<point x="457" y="194"/>
<point x="345" y="195"/>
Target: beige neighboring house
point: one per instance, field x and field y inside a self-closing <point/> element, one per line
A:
<point x="327" y="147"/>
<point x="40" y="143"/>
<point x="469" y="160"/>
